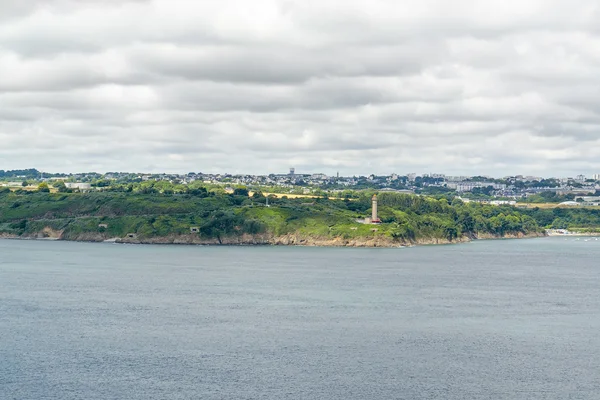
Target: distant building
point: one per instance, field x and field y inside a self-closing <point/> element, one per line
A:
<point x="402" y="191"/>
<point x="456" y="178"/>
<point x="569" y="203"/>
<point x="532" y="178"/>
<point x="78" y="185"/>
<point x="292" y="171"/>
<point x="469" y="186"/>
<point x="589" y="200"/>
<point x="503" y="202"/>
<point x="569" y="190"/>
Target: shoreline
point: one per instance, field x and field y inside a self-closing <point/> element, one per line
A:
<point x="572" y="233"/>
<point x="286" y="240"/>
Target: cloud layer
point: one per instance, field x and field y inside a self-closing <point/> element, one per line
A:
<point x="378" y="86"/>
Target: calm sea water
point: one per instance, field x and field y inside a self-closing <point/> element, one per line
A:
<point x="495" y="320"/>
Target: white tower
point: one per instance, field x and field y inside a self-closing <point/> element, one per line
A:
<point x="374" y="217"/>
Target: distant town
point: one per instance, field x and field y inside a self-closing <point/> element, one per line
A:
<point x="508" y="189"/>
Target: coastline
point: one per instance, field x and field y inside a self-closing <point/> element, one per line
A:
<point x="269" y="240"/>
<point x="567" y="233"/>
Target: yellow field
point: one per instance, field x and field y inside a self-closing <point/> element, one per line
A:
<point x="31" y="188"/>
<point x="288" y="195"/>
<point x="292" y="196"/>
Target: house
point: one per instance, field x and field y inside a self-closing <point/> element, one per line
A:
<point x="78" y="185"/>
<point x="503" y="202"/>
<point x="588" y="200"/>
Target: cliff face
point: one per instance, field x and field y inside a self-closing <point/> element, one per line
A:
<point x="262" y="239"/>
<point x="266" y="239"/>
<point x="7" y="236"/>
<point x="46" y="233"/>
<point x="519" y="235"/>
<point x="377" y="241"/>
<point x="195" y="239"/>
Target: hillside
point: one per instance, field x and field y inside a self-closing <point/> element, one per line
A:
<point x="216" y="218"/>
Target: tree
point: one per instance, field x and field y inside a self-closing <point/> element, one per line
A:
<point x="240" y="192"/>
<point x="101" y="183"/>
<point x="61" y="187"/>
<point x="43" y="187"/>
<point x="560" y="223"/>
<point x="24" y="183"/>
<point x="198" y="191"/>
<point x="450" y="232"/>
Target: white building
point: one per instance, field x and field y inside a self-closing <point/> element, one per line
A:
<point x="503" y="202"/>
<point x="589" y="200"/>
<point x="456" y="178"/>
<point x="530" y="178"/>
<point x="12" y="184"/>
<point x="78" y="185"/>
<point x="469" y="186"/>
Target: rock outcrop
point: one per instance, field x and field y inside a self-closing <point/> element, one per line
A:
<point x="292" y="239"/>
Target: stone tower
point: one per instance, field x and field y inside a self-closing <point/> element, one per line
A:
<point x="374" y="217"/>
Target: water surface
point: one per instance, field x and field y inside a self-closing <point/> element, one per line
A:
<point x="516" y="319"/>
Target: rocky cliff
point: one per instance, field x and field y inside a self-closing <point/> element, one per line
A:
<point x="262" y="239"/>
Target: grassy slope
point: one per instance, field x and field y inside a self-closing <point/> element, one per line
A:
<point x="408" y="218"/>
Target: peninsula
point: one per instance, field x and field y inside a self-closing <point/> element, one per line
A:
<point x="203" y="216"/>
<point x="287" y="209"/>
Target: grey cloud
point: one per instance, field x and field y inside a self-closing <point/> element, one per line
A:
<point x="382" y="86"/>
<point x="280" y="64"/>
<point x="21" y="8"/>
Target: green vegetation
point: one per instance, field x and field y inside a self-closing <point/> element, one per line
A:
<point x="29" y="173"/>
<point x="210" y="214"/>
<point x="580" y="219"/>
<point x="548" y="197"/>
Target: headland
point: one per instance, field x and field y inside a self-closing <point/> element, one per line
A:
<point x="213" y="218"/>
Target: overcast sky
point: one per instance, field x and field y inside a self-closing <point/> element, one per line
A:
<point x="356" y="86"/>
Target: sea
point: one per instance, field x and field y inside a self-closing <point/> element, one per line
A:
<point x="503" y="319"/>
